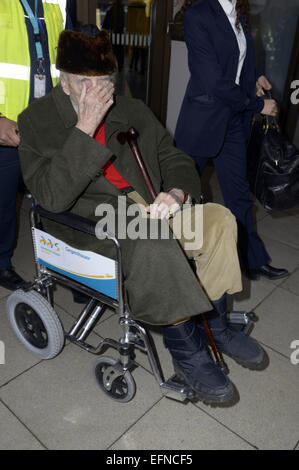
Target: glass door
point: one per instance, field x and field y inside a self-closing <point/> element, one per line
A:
<point x="129" y="24"/>
<point x="274" y="25"/>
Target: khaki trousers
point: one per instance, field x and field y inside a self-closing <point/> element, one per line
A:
<point x="216" y="257"/>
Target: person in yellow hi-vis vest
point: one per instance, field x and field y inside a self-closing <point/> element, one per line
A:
<point x="29" y="31"/>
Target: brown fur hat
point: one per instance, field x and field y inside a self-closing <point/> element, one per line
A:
<point x="86" y="52"/>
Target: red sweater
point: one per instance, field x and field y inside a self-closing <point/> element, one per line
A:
<point x="110" y="172"/>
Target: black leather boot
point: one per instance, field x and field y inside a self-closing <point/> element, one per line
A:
<point x="193" y="364"/>
<point x="243" y="349"/>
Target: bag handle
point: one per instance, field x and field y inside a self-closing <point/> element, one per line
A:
<point x="271" y="121"/>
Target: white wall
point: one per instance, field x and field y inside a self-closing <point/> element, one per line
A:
<point x="178" y="79"/>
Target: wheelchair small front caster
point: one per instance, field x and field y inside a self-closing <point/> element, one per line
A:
<point x="113" y="380"/>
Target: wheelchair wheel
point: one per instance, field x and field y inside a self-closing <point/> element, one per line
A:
<point x="35" y="323"/>
<point x="114" y="382"/>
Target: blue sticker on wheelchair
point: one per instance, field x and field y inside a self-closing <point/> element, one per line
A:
<point x="90" y="269"/>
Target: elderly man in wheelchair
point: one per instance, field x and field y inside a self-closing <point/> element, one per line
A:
<point x="77" y="161"/>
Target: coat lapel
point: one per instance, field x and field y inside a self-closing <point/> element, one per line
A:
<point x="224" y="24"/>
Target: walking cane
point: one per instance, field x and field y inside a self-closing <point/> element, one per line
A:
<point x="131" y="138"/>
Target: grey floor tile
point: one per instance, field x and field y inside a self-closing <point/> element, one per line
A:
<point x="252" y="294"/>
<point x="175" y="426"/>
<point x="4" y="292"/>
<point x="13" y="435"/>
<point x="278" y="323"/>
<point x="267" y="413"/>
<point x="60" y="401"/>
<point x="292" y="283"/>
<point x="284" y="229"/>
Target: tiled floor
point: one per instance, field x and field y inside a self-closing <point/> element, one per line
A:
<point x="57" y="404"/>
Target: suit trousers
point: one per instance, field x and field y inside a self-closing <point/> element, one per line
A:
<point x="231" y="168"/>
<point x="10" y="176"/>
<point x="215" y="256"/>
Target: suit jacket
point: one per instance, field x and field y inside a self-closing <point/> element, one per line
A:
<point x="62" y="167"/>
<point x="212" y="95"/>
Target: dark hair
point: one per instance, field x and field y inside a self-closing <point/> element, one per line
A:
<point x="242" y="7"/>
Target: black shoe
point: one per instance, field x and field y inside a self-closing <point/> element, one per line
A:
<point x="240" y="347"/>
<point x="232" y="342"/>
<point x="268" y="271"/>
<point x="79" y="297"/>
<point x="193" y="364"/>
<point x="11" y="280"/>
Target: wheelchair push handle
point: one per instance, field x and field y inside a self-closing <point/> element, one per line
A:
<point x="131" y="138"/>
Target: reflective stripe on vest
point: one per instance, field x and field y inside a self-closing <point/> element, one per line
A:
<point x="18" y="72"/>
<point x="14" y="52"/>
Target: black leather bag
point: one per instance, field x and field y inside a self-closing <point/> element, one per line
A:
<point x="273" y="166"/>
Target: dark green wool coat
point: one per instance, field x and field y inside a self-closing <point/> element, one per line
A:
<point x="62" y="167"/>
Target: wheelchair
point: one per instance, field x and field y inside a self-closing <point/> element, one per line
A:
<point x="36" y="324"/>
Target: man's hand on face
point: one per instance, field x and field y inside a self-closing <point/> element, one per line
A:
<point x="93" y="105"/>
<point x="9" y="133"/>
<point x="166" y="204"/>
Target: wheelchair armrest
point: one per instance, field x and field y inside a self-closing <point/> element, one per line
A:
<point x="77" y="222"/>
<point x="67" y="218"/>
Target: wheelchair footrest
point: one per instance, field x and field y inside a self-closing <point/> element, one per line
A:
<point x="241" y="318"/>
<point x="242" y="321"/>
<point x="176" y="389"/>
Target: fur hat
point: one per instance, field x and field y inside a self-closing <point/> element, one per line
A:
<point x="86" y="52"/>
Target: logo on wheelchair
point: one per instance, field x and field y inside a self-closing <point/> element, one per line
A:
<point x="47" y="243"/>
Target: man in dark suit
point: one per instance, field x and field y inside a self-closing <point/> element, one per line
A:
<point x="220" y="99"/>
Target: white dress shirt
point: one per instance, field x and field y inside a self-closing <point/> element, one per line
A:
<point x="231" y="13"/>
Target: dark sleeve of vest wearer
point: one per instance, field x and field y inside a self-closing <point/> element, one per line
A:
<point x="68" y="21"/>
<point x="71" y="12"/>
